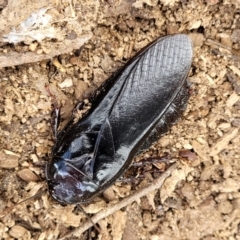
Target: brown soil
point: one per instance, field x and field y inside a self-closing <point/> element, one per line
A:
<point x="201" y="198"/>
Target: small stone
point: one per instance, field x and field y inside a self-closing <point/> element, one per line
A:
<point x="147" y="219"/>
<point x="99" y="76"/>
<point x="235" y="36"/>
<point x="155" y="237"/>
<point x="196" y="25"/>
<point x="188" y="191"/>
<point x="27" y="175"/>
<point x="76" y="61"/>
<point x="224" y="126"/>
<point x="175" y="202"/>
<point x="188" y="155"/>
<point x="227" y="186"/>
<point x="131" y="23"/>
<point x="145" y="204"/>
<point x="225" y="39"/>
<point x="119" y="52"/>
<point x="66" y="83"/>
<point x="46" y="50"/>
<point x="18" y="232"/>
<point x="8" y="161"/>
<point x="23" y="120"/>
<point x="197" y="39"/>
<point x="232" y="100"/>
<point x="72" y="35"/>
<point x="32" y="47"/>
<point x="80" y="88"/>
<point x="172" y="29"/>
<point x="39" y="51"/>
<point x="109" y="194"/>
<point x="236" y="203"/>
<point x="236" y="122"/>
<point x="96" y="60"/>
<point x="208" y="203"/>
<point x="221" y="197"/>
<point x="202" y="150"/>
<point x="225" y="207"/>
<point x="34" y="158"/>
<point x="107" y="64"/>
<point x="212" y="2"/>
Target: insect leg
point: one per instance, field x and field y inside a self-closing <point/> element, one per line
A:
<point x="89" y="218"/>
<point x="139" y="169"/>
<point x="151" y="160"/>
<point x="78" y="107"/>
<point x="56" y="113"/>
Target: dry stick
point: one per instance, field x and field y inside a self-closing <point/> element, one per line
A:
<point x="14" y="58"/>
<point x="156" y="184"/>
<point x="232" y="52"/>
<point x="216" y="43"/>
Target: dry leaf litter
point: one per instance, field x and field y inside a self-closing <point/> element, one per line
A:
<point x="42" y="43"/>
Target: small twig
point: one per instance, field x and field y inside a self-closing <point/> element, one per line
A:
<point x="156" y="184"/>
<point x="14" y="58"/>
<point x="211" y="42"/>
<point x="9" y="209"/>
<point x="233" y="53"/>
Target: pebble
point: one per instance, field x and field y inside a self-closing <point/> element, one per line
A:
<point x="232" y="99"/>
<point x="221" y="197"/>
<point x="236" y="203"/>
<point x="235" y="35"/>
<point x="34" y="158"/>
<point x="197" y="39"/>
<point x="188" y="191"/>
<point x="225" y="207"/>
<point x="227" y="186"/>
<point x="147" y="219"/>
<point x="33" y="46"/>
<point x="66" y="83"/>
<point x="27" y="175"/>
<point x="236" y="122"/>
<point x="18" y="232"/>
<point x="8" y="161"/>
<point x="195" y="25"/>
<point x="109" y="194"/>
<point x="46" y="50"/>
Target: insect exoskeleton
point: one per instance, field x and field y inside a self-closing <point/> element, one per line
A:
<point x="135" y="107"/>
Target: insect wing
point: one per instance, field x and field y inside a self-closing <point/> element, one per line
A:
<point x="132" y="104"/>
<point x="146" y="94"/>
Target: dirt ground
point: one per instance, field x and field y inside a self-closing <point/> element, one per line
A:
<point x="201" y="198"/>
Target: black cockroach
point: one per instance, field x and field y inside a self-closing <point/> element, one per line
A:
<point x="134" y="107"/>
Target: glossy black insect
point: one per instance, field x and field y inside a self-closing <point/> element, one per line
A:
<point x="134" y="107"/>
